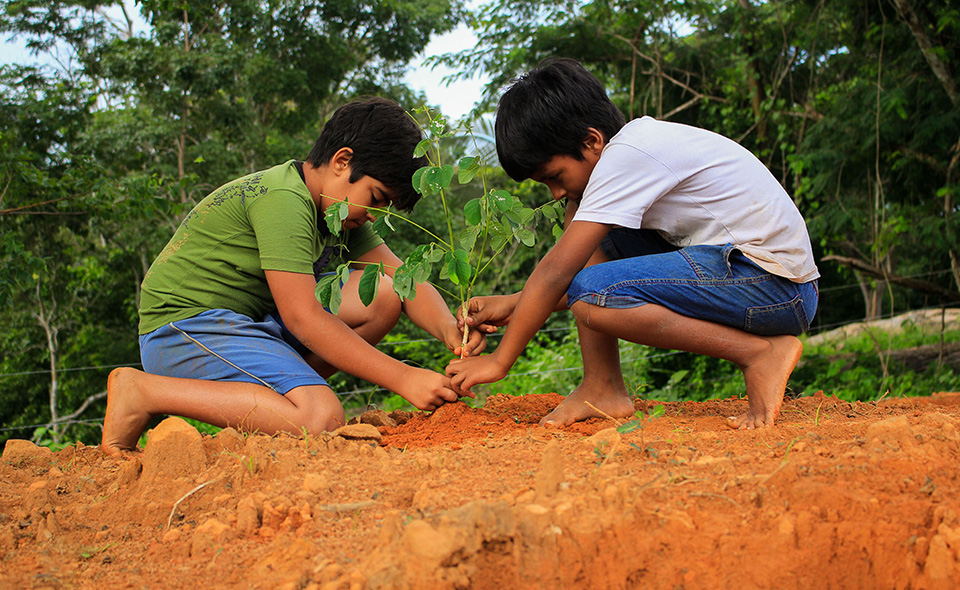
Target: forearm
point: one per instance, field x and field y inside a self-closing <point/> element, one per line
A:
<point x="429" y="312"/>
<point x="544" y="293"/>
<point x="338" y="345"/>
<point x="545" y="290"/>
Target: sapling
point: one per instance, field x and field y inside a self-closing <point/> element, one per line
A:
<point x="490" y="222"/>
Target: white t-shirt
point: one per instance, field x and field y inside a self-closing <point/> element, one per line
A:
<point x="698" y="188"/>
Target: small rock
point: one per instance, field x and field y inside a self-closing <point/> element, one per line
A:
<point x="174" y="449"/>
<point x="358" y="432"/>
<point x="18" y="452"/>
<point x="550" y="474"/>
<point x="377" y="418"/>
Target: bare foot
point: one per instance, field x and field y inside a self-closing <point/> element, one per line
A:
<point x="125" y="419"/>
<point x="615" y="403"/>
<point x="766" y="380"/>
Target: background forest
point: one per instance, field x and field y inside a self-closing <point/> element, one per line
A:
<point x="853" y="104"/>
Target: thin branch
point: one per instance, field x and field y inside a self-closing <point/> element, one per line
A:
<point x="184" y="497"/>
<point x="86" y="403"/>
<point x="880" y="273"/>
<point x="30" y="206"/>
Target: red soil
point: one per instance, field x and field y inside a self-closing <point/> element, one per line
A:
<point x="837" y="495"/>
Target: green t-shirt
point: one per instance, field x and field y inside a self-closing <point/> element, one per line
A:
<point x="216" y="258"/>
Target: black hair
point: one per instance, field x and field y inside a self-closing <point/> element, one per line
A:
<point x="547" y="112"/>
<point x="382" y="136"/>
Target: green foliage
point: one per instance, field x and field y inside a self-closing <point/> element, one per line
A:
<point x="641" y="419"/>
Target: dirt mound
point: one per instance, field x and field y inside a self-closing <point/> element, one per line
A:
<point x="838" y="495"/>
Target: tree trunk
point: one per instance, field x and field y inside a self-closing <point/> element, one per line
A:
<point x="47" y="320"/>
<point x="940" y="68"/>
<point x="872" y="297"/>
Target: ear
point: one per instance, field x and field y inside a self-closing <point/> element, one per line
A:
<point x="340" y="162"/>
<point x="594" y="141"/>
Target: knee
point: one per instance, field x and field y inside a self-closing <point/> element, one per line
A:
<point x="388" y="296"/>
<point x="580" y="310"/>
<point x="386" y="307"/>
<point x="325" y="419"/>
<point x="582" y="284"/>
<point x="317" y="409"/>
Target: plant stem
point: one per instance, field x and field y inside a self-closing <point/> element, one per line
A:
<point x="464" y="307"/>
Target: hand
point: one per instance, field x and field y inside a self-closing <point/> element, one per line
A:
<point x="428" y="390"/>
<point x="476" y="341"/>
<point x="465" y="373"/>
<point x="486" y="313"/>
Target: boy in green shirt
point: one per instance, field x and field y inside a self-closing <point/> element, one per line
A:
<point x="231" y="332"/>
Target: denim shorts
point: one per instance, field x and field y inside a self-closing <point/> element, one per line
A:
<point x="221" y="345"/>
<point x="714" y="283"/>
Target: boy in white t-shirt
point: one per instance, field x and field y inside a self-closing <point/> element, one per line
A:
<point x="675" y="237"/>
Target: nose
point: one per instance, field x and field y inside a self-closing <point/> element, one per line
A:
<point x="370" y="216"/>
<point x="558" y="192"/>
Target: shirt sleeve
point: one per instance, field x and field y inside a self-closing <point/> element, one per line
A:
<point x="361" y="240"/>
<point x="623" y="185"/>
<point x="285" y="228"/>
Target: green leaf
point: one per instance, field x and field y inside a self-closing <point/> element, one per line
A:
<point x="468" y="237"/>
<point x="472" y="211"/>
<point x="434" y="254"/>
<point x="328" y="292"/>
<point x="527" y="236"/>
<point x="382" y="226"/>
<point x="334" y="216"/>
<point x="434" y="179"/>
<point x="557" y="232"/>
<point x="343" y="271"/>
<point x="418" y="179"/>
<point x="446" y="175"/>
<point x="502" y="200"/>
<point x="469" y="167"/>
<point x="501" y="235"/>
<point x="422" y="148"/>
<point x="369" y="283"/>
<point x="458" y="267"/>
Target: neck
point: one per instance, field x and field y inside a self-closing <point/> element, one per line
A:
<point x="313" y="177"/>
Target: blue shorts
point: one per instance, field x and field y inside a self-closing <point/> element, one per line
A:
<point x="714" y="283"/>
<point x="221" y="345"/>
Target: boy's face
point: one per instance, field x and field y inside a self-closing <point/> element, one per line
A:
<point x="366" y="192"/>
<point x="566" y="176"/>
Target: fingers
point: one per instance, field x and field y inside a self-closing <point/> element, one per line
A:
<point x="452" y="368"/>
<point x="448" y="395"/>
<point x="462" y="384"/>
<point x="476" y="345"/>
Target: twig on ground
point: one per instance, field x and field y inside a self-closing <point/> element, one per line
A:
<point x="348" y="507"/>
<point x="604" y="414"/>
<point x="718" y="496"/>
<point x="185" y="496"/>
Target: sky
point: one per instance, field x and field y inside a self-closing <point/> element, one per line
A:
<point x="455" y="100"/>
<point x="458" y="98"/>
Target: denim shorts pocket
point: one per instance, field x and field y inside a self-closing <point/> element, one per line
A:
<point x="781" y="318"/>
<point x="709" y="262"/>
